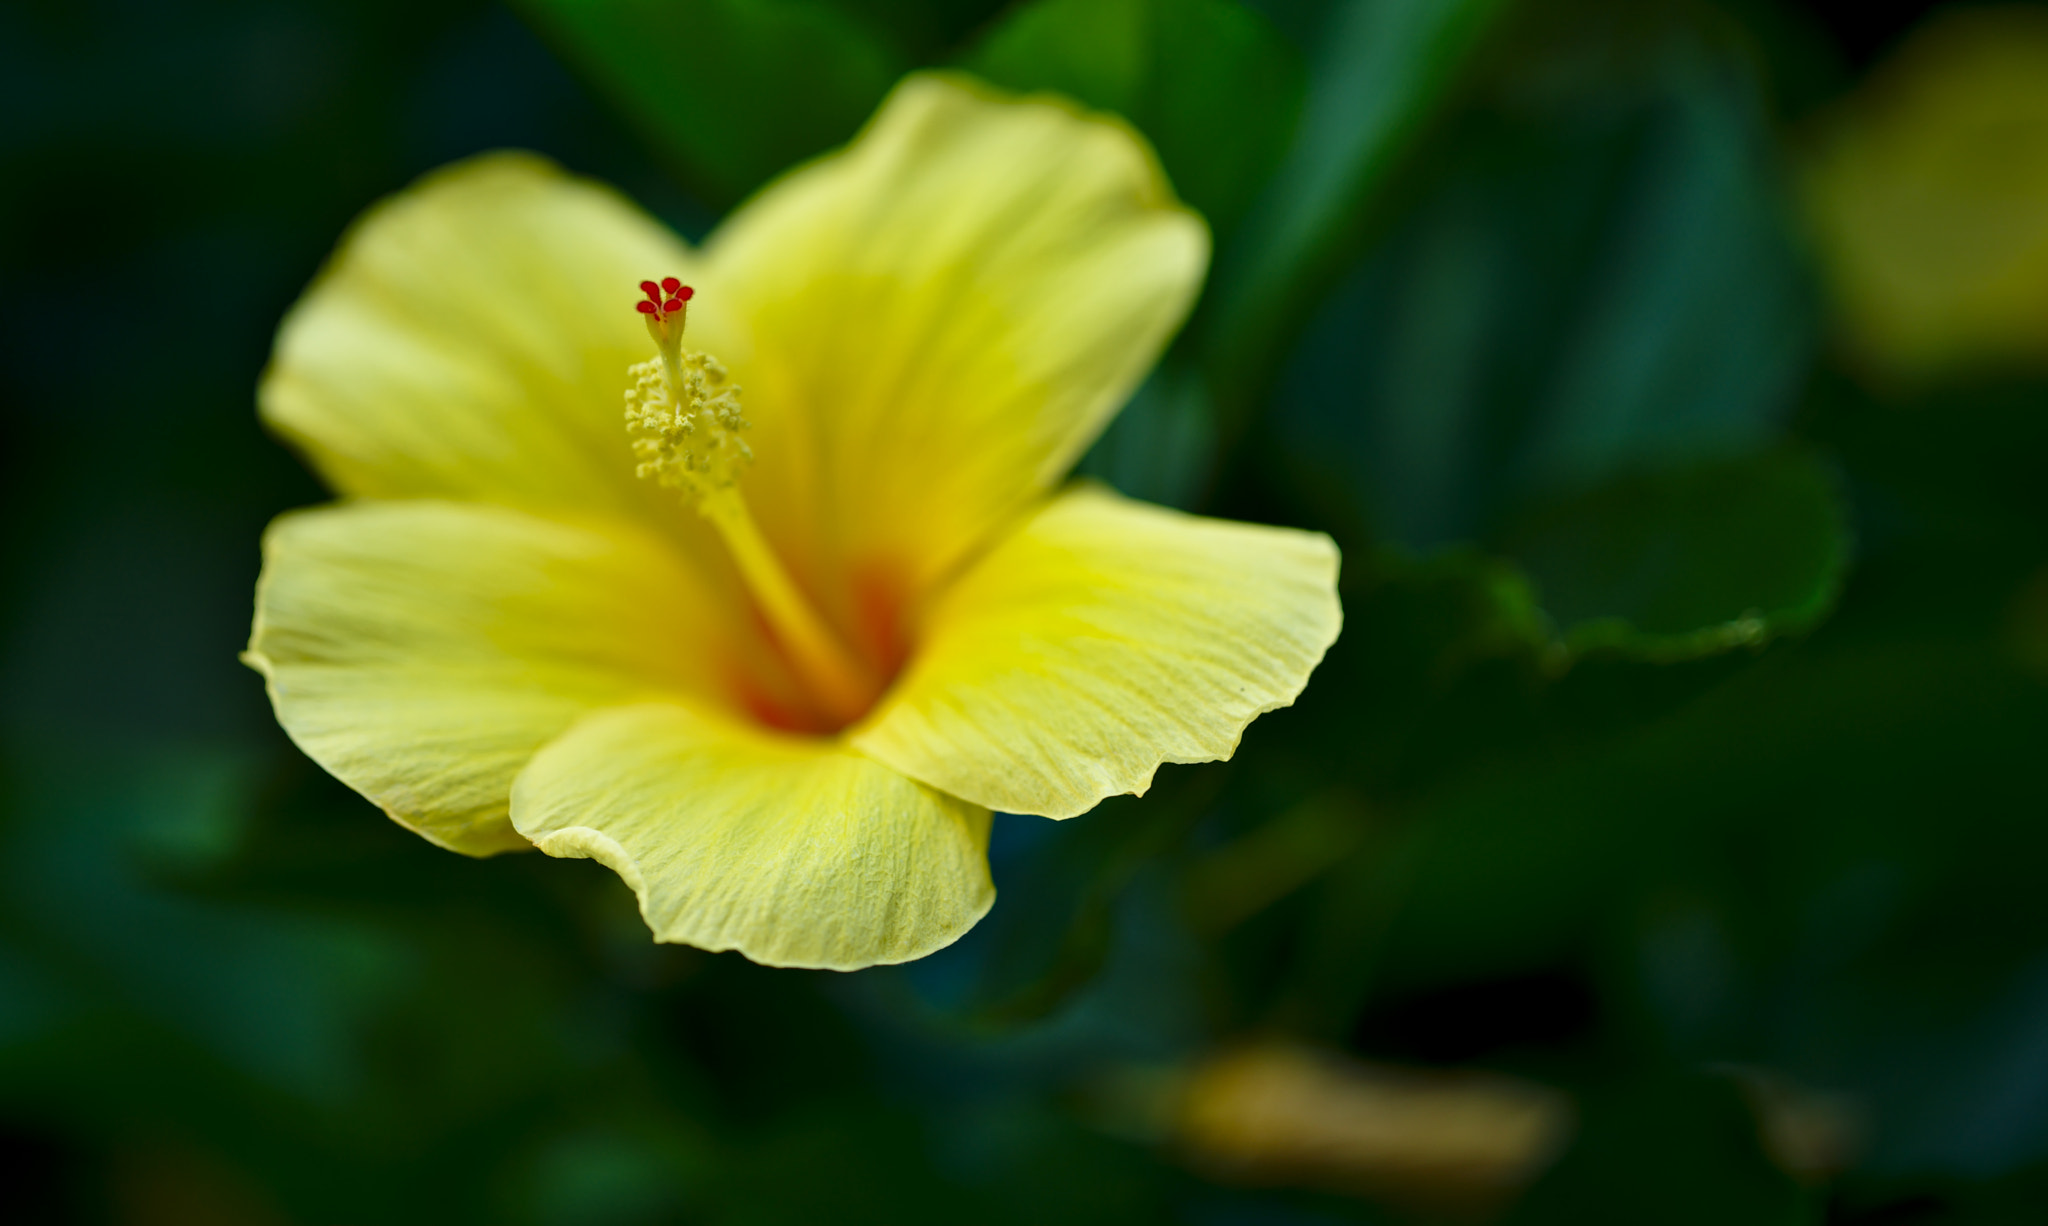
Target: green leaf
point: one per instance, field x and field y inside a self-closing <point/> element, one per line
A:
<point x="733" y="91"/>
<point x="1596" y="277"/>
<point x="1380" y="76"/>
<point x="1208" y="81"/>
<point x="1696" y="322"/>
<point x="1681" y="564"/>
<point x="1594" y="282"/>
<point x="1823" y="867"/>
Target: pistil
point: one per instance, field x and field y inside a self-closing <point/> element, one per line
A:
<point x="685" y="418"/>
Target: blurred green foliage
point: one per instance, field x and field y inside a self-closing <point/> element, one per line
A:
<point x="1213" y="86"/>
<point x="1679" y="743"/>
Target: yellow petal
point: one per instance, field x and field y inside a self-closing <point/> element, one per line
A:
<point x="469" y="340"/>
<point x="1929" y="199"/>
<point x="422" y="651"/>
<point x="1103" y="638"/>
<point x="932" y="325"/>
<point x="793" y="851"/>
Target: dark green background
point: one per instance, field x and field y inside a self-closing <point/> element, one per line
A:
<point x="1688" y="717"/>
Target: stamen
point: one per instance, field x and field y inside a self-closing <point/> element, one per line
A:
<point x="683" y="414"/>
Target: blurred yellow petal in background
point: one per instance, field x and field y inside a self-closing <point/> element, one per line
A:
<point x="1278" y="1113"/>
<point x="1928" y="199"/>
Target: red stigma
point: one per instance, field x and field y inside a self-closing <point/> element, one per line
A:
<point x="664" y="299"/>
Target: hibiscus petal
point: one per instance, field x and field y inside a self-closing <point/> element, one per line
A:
<point x="422" y="651"/>
<point x="794" y="851"/>
<point x="939" y="320"/>
<point x="470" y="338"/>
<point x="1101" y="639"/>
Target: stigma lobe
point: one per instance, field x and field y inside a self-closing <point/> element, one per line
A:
<point x="665" y="299"/>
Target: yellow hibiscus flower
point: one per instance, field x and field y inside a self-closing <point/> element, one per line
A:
<point x="779" y="699"/>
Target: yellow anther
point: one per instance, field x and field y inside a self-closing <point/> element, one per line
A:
<point x="685" y="421"/>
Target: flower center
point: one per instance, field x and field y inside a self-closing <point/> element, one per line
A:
<point x="683" y="415"/>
